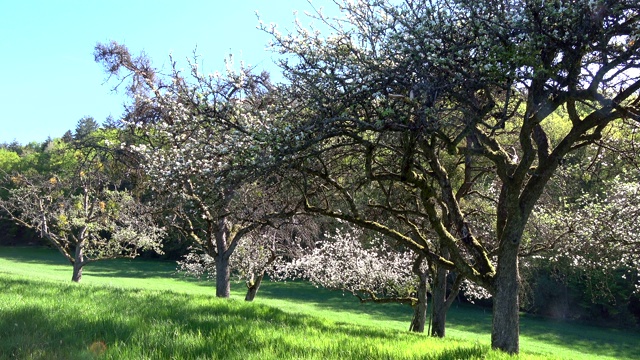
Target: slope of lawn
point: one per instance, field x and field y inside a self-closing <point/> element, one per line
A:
<point x="143" y="310"/>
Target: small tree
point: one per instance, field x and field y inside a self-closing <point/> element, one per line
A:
<point x="261" y="252"/>
<point x="85" y="127"/>
<point x="8" y="160"/>
<point x="86" y="218"/>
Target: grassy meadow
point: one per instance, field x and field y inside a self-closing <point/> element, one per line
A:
<point x="136" y="309"/>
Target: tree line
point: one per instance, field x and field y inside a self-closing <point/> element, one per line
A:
<point x="423" y="148"/>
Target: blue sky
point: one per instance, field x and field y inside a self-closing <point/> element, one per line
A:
<point x="50" y="80"/>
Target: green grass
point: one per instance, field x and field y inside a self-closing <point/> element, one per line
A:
<point x="143" y="310"/>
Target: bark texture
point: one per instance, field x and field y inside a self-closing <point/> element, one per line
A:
<point x="77" y="272"/>
<point x="420" y="309"/>
<point x="439" y="305"/>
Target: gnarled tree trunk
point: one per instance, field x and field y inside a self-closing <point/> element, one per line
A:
<point x="223" y="270"/>
<point x="420" y="308"/>
<point x="77" y="272"/>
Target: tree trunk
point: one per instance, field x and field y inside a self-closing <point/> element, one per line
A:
<point x="78" y="263"/>
<point x="223" y="270"/>
<point x="420" y="309"/>
<point x="506" y="328"/>
<point x="439" y="306"/>
<point x="77" y="272"/>
<point x="253" y="286"/>
<point x="223" y="276"/>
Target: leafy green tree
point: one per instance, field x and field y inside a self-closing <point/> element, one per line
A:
<point x="599" y="236"/>
<point x="8" y="160"/>
<point x="446" y="105"/>
<point x="35" y="158"/>
<point x="585" y="215"/>
<point x="13" y="146"/>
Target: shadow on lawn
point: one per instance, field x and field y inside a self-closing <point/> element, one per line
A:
<point x="133" y="268"/>
<point x="586" y="339"/>
<point x="461" y="317"/>
<point x="32" y="332"/>
<point x="127" y="268"/>
<point x="465" y="317"/>
<point x="298" y="291"/>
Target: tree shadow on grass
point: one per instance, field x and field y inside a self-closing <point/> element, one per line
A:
<point x="461" y="316"/>
<point x="299" y="291"/>
<point x="468" y="317"/>
<point x="571" y="336"/>
<point x="33" y="332"/>
<point x="126" y="268"/>
<point x="239" y="330"/>
<point x="583" y="338"/>
<point x="471" y="352"/>
<point x="132" y="268"/>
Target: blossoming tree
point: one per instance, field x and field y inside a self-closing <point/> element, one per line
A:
<point x="601" y="232"/>
<point x="265" y="251"/>
<point x="86" y="214"/>
<point x="375" y="274"/>
<point x="204" y="151"/>
<point x="436" y="106"/>
<point x="378" y="272"/>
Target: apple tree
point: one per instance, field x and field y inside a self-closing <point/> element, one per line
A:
<point x="204" y="143"/>
<point x="86" y="214"/>
<point x="426" y="109"/>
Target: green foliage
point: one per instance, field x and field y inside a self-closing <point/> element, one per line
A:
<point x="98" y="152"/>
<point x="37" y="158"/>
<point x="74" y="196"/>
<point x="8" y="160"/>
